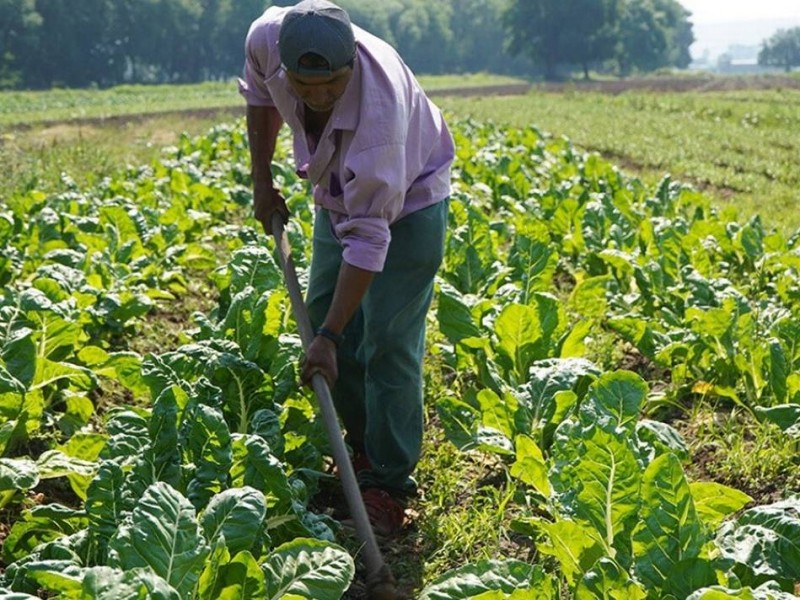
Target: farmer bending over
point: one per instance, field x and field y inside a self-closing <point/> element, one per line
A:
<point x="378" y="154"/>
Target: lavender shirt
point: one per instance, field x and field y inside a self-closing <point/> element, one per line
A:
<point x="385" y="152"/>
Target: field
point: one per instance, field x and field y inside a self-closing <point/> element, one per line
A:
<point x="613" y="381"/>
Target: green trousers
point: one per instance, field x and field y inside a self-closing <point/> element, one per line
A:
<point x="378" y="394"/>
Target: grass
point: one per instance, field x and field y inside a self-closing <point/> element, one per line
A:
<point x="28" y="108"/>
<point x="741" y="147"/>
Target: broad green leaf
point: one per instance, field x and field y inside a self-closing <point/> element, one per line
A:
<point x="105" y="504"/>
<point x="766" y="539"/>
<point x="530" y="466"/>
<point x="241" y="578"/>
<point x="459" y="421"/>
<point x="588" y="298"/>
<point x="785" y="416"/>
<point x="767" y="591"/>
<point x="18" y="474"/>
<point x="254" y="465"/>
<point x="662" y="438"/>
<point x="60" y="576"/>
<point x="505" y="576"/>
<point x="532" y="263"/>
<point x="596" y="474"/>
<point x="164" y="453"/>
<point x="779" y="370"/>
<point x="162" y="533"/>
<point x="518" y="328"/>
<point x="576" y="546"/>
<point x="236" y="515"/>
<point x="715" y="502"/>
<point x="209" y="444"/>
<point x="455" y="317"/>
<point x="253" y="266"/>
<point x="690" y="575"/>
<point x="54" y="463"/>
<point x="616" y="399"/>
<point x="608" y="581"/>
<point x="497" y="413"/>
<point x="49" y="372"/>
<point x="106" y="583"/>
<point x="40" y="525"/>
<point x="127" y="435"/>
<point x="309" y="569"/>
<point x="668" y="530"/>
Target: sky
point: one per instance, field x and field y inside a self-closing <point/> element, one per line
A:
<point x="719" y="24"/>
<point x="717" y="11"/>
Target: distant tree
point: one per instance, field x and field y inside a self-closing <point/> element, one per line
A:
<point x="19" y="34"/>
<point x="74" y="46"/>
<point x="478" y="41"/>
<point x="559" y="32"/>
<point x="680" y="35"/>
<point x="654" y="34"/>
<point x="782" y="49"/>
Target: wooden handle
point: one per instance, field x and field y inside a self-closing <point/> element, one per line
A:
<point x="372" y="555"/>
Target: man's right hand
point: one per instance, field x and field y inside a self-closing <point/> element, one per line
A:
<point x="266" y="201"/>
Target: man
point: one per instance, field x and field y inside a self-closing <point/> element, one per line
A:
<point x="378" y="154"/>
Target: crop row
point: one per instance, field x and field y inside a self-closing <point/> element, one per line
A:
<point x="199" y="486"/>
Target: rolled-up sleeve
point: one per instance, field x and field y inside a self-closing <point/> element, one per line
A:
<point x="373" y="198"/>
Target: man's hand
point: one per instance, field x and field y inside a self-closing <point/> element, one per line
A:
<point x="320" y="358"/>
<point x="266" y="201"/>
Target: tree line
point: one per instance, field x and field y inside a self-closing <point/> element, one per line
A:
<point x="65" y="43"/>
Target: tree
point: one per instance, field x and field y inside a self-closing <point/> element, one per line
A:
<point x="654" y="34"/>
<point x="559" y="32"/>
<point x="782" y="49"/>
<point x="19" y="34"/>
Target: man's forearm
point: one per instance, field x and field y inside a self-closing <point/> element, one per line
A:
<point x="351" y="285"/>
<point x="263" y="125"/>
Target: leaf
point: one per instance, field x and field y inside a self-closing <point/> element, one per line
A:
<point x="576" y="546"/>
<point x="662" y="438"/>
<point x="255" y="466"/>
<point x="209" y="444"/>
<point x="455" y="317"/>
<point x="40" y="525"/>
<point x="459" y="420"/>
<point x="766" y="539"/>
<point x="530" y="466"/>
<point x="597" y="475"/>
<point x="106" y="583"/>
<point x="668" y="531"/>
<point x="607" y="580"/>
<point x="785" y="416"/>
<point x="518" y="328"/>
<point x="309" y="569"/>
<point x="236" y="515"/>
<point x="616" y="399"/>
<point x="18" y="474"/>
<point x="105" y="504"/>
<point x="162" y="533"/>
<point x="54" y="463"/>
<point x="241" y="578"/>
<point x="506" y="576"/>
<point x="715" y="502"/>
<point x="254" y="266"/>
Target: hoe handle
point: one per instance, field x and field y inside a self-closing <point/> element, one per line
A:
<point x="376" y="568"/>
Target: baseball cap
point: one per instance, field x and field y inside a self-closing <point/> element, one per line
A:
<point x="318" y="27"/>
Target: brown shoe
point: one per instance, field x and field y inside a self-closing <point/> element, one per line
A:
<point x="386" y="515"/>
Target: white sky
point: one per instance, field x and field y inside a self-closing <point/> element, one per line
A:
<point x="704" y="11"/>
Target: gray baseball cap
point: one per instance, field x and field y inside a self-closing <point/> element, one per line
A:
<point x="318" y="27"/>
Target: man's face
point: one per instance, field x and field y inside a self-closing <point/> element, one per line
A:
<point x="320" y="92"/>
